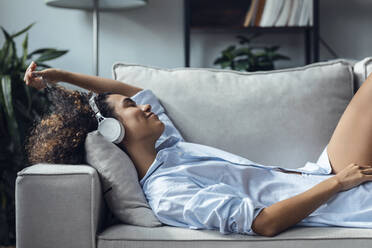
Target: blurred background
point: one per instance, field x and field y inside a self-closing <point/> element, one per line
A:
<point x="153" y="34"/>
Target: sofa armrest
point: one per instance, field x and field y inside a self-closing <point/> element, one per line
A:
<point x="361" y="71"/>
<point x="58" y="206"/>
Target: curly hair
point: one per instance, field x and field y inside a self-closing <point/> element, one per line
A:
<point x="59" y="137"/>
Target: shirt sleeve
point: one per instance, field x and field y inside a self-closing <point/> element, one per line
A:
<point x="170" y="132"/>
<point x="214" y="207"/>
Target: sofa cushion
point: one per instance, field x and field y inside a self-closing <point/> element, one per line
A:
<point x="121" y="189"/>
<point x="167" y="236"/>
<point x="284" y="117"/>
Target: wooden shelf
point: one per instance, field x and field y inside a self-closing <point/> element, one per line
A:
<point x="233" y="29"/>
<point x="224" y="16"/>
<point x="218" y="12"/>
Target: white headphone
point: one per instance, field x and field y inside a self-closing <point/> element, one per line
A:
<point x="110" y="128"/>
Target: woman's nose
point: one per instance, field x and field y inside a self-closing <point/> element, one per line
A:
<point x="146" y="107"/>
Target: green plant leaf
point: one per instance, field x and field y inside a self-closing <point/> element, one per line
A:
<point x="265" y="64"/>
<point x="231" y="48"/>
<point x="226" y="64"/>
<point x="13" y="59"/>
<point x="43" y="65"/>
<point x="242" y="51"/>
<point x="280" y="57"/>
<point x="274" y="48"/>
<point x="25" y="48"/>
<point x="8" y="58"/>
<point x="228" y="52"/>
<point x="220" y="60"/>
<point x="5" y="51"/>
<point x="39" y="51"/>
<point x="242" y="64"/>
<point x="243" y="40"/>
<point x="261" y="54"/>
<point x="19" y="104"/>
<point x="3" y="60"/>
<point x="246" y="40"/>
<point x="6" y="95"/>
<point x="6" y="34"/>
<point x="49" y="55"/>
<point x="9" y="54"/>
<point x="3" y="54"/>
<point x="23" y="30"/>
<point x="3" y="131"/>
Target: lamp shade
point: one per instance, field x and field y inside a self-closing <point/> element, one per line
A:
<point x="103" y="4"/>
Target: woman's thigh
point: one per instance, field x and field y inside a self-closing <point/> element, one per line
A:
<point x="351" y="141"/>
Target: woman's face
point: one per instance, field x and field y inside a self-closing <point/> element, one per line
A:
<point x="139" y="122"/>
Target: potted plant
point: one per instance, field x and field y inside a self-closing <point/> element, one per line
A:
<point x="248" y="57"/>
<point x="20" y="106"/>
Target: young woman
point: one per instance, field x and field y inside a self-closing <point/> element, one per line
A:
<point x="200" y="187"/>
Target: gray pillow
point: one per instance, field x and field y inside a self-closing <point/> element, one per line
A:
<point x="119" y="180"/>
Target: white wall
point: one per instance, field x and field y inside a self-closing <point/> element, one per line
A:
<point x="153" y="35"/>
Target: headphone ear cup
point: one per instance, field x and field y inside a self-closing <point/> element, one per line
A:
<point x="112" y="129"/>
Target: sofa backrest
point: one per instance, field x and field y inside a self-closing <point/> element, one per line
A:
<point x="283" y="117"/>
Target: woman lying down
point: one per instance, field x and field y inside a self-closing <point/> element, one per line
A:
<point x="201" y="187"/>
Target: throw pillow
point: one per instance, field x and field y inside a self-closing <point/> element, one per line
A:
<point x="119" y="179"/>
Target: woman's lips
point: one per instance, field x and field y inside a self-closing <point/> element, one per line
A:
<point x="151" y="114"/>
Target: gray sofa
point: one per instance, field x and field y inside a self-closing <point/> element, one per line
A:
<point x="284" y="117"/>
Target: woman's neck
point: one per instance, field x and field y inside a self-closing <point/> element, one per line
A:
<point x="142" y="155"/>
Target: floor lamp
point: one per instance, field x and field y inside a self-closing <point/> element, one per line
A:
<point x="96" y="6"/>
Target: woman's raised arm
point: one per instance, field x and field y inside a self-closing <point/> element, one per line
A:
<point x="278" y="217"/>
<point x="93" y="83"/>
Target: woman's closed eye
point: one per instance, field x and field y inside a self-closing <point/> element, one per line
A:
<point x="128" y="102"/>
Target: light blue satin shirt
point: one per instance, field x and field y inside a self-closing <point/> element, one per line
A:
<point x="201" y="187"/>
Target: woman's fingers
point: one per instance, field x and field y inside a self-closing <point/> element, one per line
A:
<point x="36" y="74"/>
<point x="28" y="78"/>
<point x="29" y="69"/>
<point x="34" y="78"/>
<point x="365" y="166"/>
<point x="367" y="171"/>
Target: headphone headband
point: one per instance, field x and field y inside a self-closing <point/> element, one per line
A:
<point x="93" y="105"/>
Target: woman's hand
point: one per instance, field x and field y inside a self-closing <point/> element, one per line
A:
<point x="38" y="79"/>
<point x="354" y="175"/>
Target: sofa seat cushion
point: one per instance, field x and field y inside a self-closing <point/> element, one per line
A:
<point x="283" y="117"/>
<point x="168" y="236"/>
